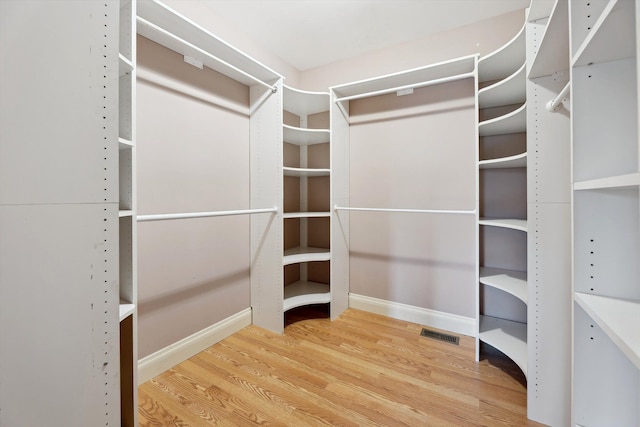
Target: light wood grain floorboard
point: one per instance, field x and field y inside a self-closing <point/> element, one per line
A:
<point x="359" y="370"/>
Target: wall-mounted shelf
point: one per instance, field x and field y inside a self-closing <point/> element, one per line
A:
<point x="126" y="309"/>
<point x="125" y="65"/>
<point x="300" y="172"/>
<point x="505" y="92"/>
<point x="621" y="181"/>
<point x="304" y="293"/>
<point x="507" y="336"/>
<point x="513" y="122"/>
<point x="306" y="215"/>
<point x="515" y="224"/>
<point x="303" y="136"/>
<point x="305" y="254"/>
<point x="553" y="52"/>
<point x="510" y="281"/>
<point x="503" y="61"/>
<point x="517" y="161"/>
<point x="303" y="103"/>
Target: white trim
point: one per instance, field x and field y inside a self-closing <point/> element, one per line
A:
<point x="424" y="316"/>
<point x="166" y="358"/>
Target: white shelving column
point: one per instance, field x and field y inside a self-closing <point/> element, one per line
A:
<point x="606" y="212"/>
<point x="549" y="216"/>
<point x="59" y="68"/>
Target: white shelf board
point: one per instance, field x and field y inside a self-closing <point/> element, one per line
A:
<point x="125" y="213"/>
<point x="125" y="66"/>
<point x="513" y="122"/>
<point x="513" y="282"/>
<point x="628" y="180"/>
<point x="540" y="9"/>
<point x="553" y="52"/>
<point x="154" y="17"/>
<point x="124" y="143"/>
<point x="306" y="215"/>
<point x="612" y="36"/>
<point x="511" y="90"/>
<point x="300" y="172"/>
<point x="414" y="76"/>
<point x="301" y="136"/>
<point x="304" y="103"/>
<point x="503" y="61"/>
<point x="126" y="310"/>
<point x="618" y="318"/>
<point x="516" y="161"/>
<point x="507" y="336"/>
<point x="305" y="254"/>
<point x="305" y="293"/>
<point x="515" y="224"/>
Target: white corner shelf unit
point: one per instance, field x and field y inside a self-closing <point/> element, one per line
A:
<point x="606" y="213"/>
<point x="306" y="219"/>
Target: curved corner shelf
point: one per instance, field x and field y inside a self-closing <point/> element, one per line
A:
<point x="301" y="136"/>
<point x="126" y="310"/>
<point x="503" y="61"/>
<point x="124" y="143"/>
<point x="301" y="172"/>
<point x="515" y="224"/>
<point x="507" y="336"/>
<point x="125" y="65"/>
<point x="513" y="122"/>
<point x="553" y="52"/>
<point x="305" y="293"/>
<point x="304" y="103"/>
<point x="517" y="161"/>
<point x="511" y="90"/>
<point x="305" y="254"/>
<point x="618" y="318"/>
<point x="510" y="281"/>
<point x="614" y="27"/>
<point x="306" y="215"/>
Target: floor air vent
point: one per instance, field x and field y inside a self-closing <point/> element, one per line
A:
<point x="440" y="336"/>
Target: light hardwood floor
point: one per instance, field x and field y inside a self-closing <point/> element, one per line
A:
<point x="359" y="370"/>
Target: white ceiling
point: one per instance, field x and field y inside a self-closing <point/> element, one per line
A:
<point x="311" y="33"/>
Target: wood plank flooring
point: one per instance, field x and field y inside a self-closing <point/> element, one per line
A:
<point x="359" y="370"/>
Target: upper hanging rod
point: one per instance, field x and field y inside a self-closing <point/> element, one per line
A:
<point x="161" y="217"/>
<point x="409" y="86"/>
<point x="434" y="211"/>
<point x="554" y="104"/>
<point x="142" y="21"/>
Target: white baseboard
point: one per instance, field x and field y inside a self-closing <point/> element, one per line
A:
<point x="166" y="358"/>
<point x="424" y="316"/>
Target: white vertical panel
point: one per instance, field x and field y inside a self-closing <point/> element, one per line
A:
<point x="266" y="191"/>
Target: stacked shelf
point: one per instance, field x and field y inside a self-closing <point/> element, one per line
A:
<point x="606" y="214"/>
<point x="502" y="301"/>
<point x="306" y="169"/>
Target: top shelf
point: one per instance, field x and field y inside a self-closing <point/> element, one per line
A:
<point x="303" y="103"/>
<point x="163" y="25"/>
<point x="504" y="61"/>
<point x="553" y="52"/>
<point x="612" y="37"/>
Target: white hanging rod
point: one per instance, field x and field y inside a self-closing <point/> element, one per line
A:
<point x="161" y="217"/>
<point x="554" y="104"/>
<point x="409" y="86"/>
<point x="203" y="52"/>
<point x="433" y="211"/>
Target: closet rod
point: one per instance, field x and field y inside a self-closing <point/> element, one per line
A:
<point x="554" y="104"/>
<point x="409" y="86"/>
<point x="144" y="22"/>
<point x="434" y="211"/>
<point x="161" y="217"/>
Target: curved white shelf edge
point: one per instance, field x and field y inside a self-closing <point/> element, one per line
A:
<point x="125" y="213"/>
<point x="304" y="103"/>
<point x="125" y="65"/>
<point x="517" y="161"/>
<point x="507" y="336"/>
<point x="513" y="122"/>
<point x="300" y="172"/>
<point x="302" y="136"/>
<point x="305" y="293"/>
<point x="124" y="143"/>
<point x="511" y="90"/>
<point x="306" y="215"/>
<point x="305" y="254"/>
<point x="618" y="318"/>
<point x="503" y="61"/>
<point x="126" y="310"/>
<point x="515" y="224"/>
<point x="510" y="281"/>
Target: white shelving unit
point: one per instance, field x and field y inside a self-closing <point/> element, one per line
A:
<point x="307" y="177"/>
<point x="507" y="336"/>
<point x="606" y="213"/>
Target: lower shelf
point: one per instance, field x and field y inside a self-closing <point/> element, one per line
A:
<point x="126" y="309"/>
<point x="305" y="254"/>
<point x="507" y="336"/>
<point x="305" y="293"/>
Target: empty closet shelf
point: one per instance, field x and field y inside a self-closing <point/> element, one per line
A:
<point x="619" y="181"/>
<point x="301" y="136"/>
<point x="306" y="215"/>
<point x="126" y="310"/>
<point x="517" y="161"/>
<point x="510" y="281"/>
<point x="511" y="90"/>
<point x="305" y="254"/>
<point x="305" y="293"/>
<point x="515" y="224"/>
<point x="553" y="53"/>
<point x="513" y="122"/>
<point x="507" y="336"/>
<point x="301" y="172"/>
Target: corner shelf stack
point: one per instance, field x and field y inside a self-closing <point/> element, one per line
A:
<point x="502" y="305"/>
<point x="127" y="215"/>
<point x="306" y="217"/>
<point x="606" y="213"/>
